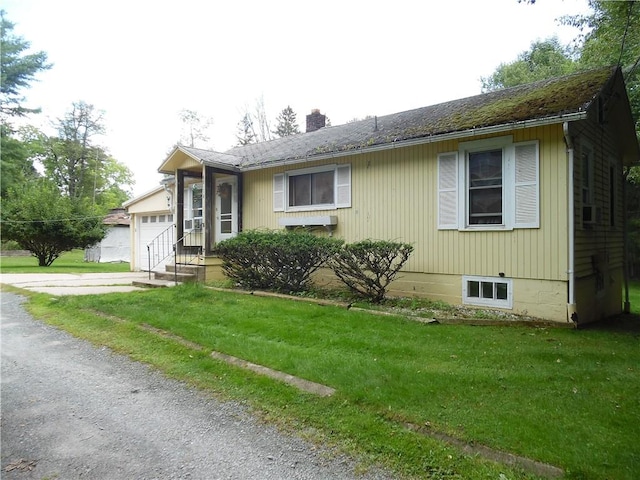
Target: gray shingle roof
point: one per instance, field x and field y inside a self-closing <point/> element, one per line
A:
<point x="553" y="99"/>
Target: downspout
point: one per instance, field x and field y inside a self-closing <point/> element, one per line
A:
<point x="572" y="314"/>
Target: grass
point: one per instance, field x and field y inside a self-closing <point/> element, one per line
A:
<point x="68" y="262"/>
<point x="634" y="296"/>
<point x="569" y="398"/>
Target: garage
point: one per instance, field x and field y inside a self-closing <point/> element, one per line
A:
<point x="158" y="228"/>
<point x="151" y="215"/>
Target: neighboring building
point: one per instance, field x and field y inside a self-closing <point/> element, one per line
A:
<point x="512" y="199"/>
<point x="151" y="216"/>
<point x="116" y="245"/>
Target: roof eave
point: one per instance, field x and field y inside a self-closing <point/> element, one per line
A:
<point x="222" y="166"/>
<point x="473" y="132"/>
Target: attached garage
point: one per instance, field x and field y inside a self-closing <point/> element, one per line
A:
<point x="151" y="216"/>
<point x="151" y="226"/>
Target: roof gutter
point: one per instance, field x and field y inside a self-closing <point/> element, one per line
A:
<point x="473" y="132"/>
<point x="572" y="313"/>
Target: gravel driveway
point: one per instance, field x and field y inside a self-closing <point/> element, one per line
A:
<point x="71" y="410"/>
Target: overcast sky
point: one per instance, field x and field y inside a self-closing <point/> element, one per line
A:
<point x="141" y="62"/>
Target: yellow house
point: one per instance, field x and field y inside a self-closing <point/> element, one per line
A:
<point x="512" y="199"/>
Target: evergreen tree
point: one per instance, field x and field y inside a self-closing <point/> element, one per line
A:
<point x="17" y="70"/>
<point x="246" y="133"/>
<point x="287" y="124"/>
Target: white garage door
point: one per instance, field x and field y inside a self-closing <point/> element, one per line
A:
<point x="149" y="227"/>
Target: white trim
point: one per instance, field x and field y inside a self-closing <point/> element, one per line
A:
<point x="520" y="185"/>
<point x="341" y="188"/>
<point x="503" y="143"/>
<point x="487" y="302"/>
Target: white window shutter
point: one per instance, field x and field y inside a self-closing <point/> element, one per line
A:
<point x="527" y="190"/>
<point x="278" y="192"/>
<point x="343" y="186"/>
<point x="448" y="191"/>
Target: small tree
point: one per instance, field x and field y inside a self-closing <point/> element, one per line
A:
<point x="287" y="123"/>
<point x="41" y="220"/>
<point x="368" y="267"/>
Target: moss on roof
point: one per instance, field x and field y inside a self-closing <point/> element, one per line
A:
<point x="553" y="98"/>
<point x="539" y="100"/>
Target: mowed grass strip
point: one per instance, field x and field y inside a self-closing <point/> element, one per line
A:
<point x="67" y="262"/>
<point x="569" y="398"/>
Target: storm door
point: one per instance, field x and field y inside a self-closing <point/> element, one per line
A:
<point x="226" y="208"/>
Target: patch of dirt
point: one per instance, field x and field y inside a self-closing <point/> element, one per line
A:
<point x="21" y="465"/>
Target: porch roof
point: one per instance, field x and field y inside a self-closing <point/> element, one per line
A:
<point x="197" y="156"/>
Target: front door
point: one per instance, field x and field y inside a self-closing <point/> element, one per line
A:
<point x="226" y="208"/>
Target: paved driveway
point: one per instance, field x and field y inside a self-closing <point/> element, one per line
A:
<point x="74" y="284"/>
<point x="74" y="411"/>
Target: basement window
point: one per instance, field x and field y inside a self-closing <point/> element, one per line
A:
<point x="487" y="291"/>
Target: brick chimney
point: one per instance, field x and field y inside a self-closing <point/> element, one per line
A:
<point x="315" y="120"/>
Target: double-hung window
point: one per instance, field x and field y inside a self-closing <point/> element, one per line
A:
<point x="317" y="188"/>
<point x="485" y="170"/>
<point x="489" y="184"/>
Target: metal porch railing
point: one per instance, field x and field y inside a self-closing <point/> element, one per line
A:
<point x="160" y="248"/>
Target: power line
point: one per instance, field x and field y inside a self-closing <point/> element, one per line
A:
<point x="626" y="29"/>
<point x="51" y="220"/>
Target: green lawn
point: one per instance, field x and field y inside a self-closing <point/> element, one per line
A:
<point x="68" y="262"/>
<point x="634" y="296"/>
<point x="569" y="398"/>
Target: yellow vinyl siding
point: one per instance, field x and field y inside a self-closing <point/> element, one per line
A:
<point x="394" y="197"/>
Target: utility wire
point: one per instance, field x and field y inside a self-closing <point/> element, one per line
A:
<point x="52" y="220"/>
<point x="626" y="29"/>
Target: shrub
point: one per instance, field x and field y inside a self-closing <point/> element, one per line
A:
<point x="368" y="267"/>
<point x="274" y="260"/>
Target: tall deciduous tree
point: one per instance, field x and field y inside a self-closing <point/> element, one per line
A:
<point x="79" y="167"/>
<point x="254" y="125"/>
<point x="262" y="128"/>
<point x="611" y="36"/>
<point x="286" y="123"/>
<point x="545" y="59"/>
<point x="195" y="127"/>
<point x="46" y="223"/>
<point x="18" y="70"/>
